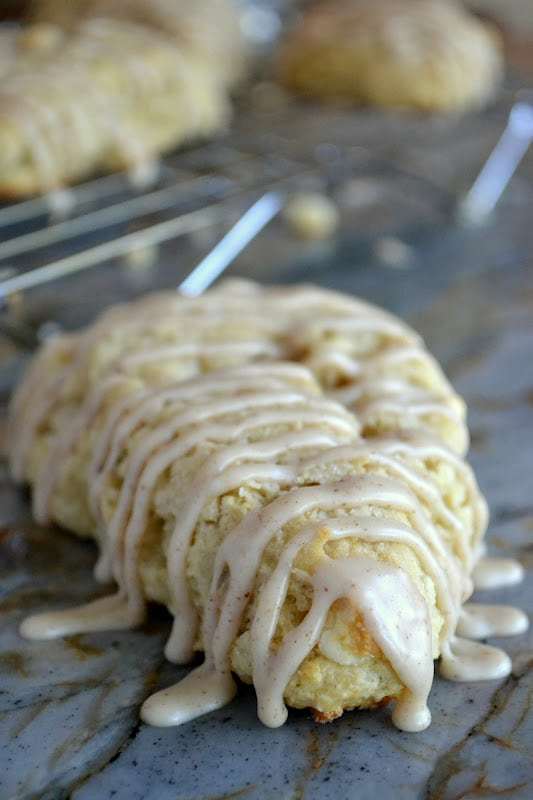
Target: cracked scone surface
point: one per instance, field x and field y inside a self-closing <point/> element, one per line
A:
<point x="430" y="55"/>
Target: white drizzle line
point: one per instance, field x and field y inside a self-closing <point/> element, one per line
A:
<point x="463" y="660"/>
<point x="218" y="477"/>
<point x="390" y="452"/>
<point x="160" y="449"/>
<point x="258" y="528"/>
<point x="51" y="466"/>
<point x="140" y="317"/>
<point x="272" y="670"/>
<point x="125" y="416"/>
<point x="173" y="437"/>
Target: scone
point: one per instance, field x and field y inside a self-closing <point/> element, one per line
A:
<point x="320" y="554"/>
<point x="108" y="94"/>
<point x="430" y="55"/>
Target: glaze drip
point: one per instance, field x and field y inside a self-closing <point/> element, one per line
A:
<point x="495" y="573"/>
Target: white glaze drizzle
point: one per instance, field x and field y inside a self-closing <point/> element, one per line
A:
<point x="149" y="463"/>
<point x="106" y="613"/>
<point x="125" y="416"/>
<point x="42" y="390"/>
<point x="384" y="452"/>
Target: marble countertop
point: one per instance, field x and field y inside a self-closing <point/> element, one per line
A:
<point x="69" y="722"/>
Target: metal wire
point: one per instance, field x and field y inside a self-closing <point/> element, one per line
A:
<point x="501" y="165"/>
<point x="124" y="211"/>
<point x="248" y="226"/>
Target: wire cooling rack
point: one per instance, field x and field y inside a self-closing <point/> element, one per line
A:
<point x="186" y="195"/>
<point x="64" y="233"/>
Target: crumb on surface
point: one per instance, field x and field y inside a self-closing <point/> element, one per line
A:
<point x="311" y="215"/>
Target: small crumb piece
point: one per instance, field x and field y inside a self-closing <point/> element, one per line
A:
<point x="311" y="216"/>
<point x="142" y="257"/>
<point x="394" y="253"/>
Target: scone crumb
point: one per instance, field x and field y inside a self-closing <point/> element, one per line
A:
<point x="311" y="215"/>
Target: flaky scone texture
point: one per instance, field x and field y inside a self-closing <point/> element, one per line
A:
<point x="256" y="428"/>
<point x="430" y="55"/>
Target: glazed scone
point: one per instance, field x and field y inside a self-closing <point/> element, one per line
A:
<point x="199" y="442"/>
<point x="202" y="495"/>
<point x="430" y="55"/>
<point x="362" y="356"/>
<point x="189" y="438"/>
<point x="111" y="94"/>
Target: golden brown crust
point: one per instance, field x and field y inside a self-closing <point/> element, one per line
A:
<point x="323" y="717"/>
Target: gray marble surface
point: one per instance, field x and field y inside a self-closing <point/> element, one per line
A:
<point x="69" y="709"/>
